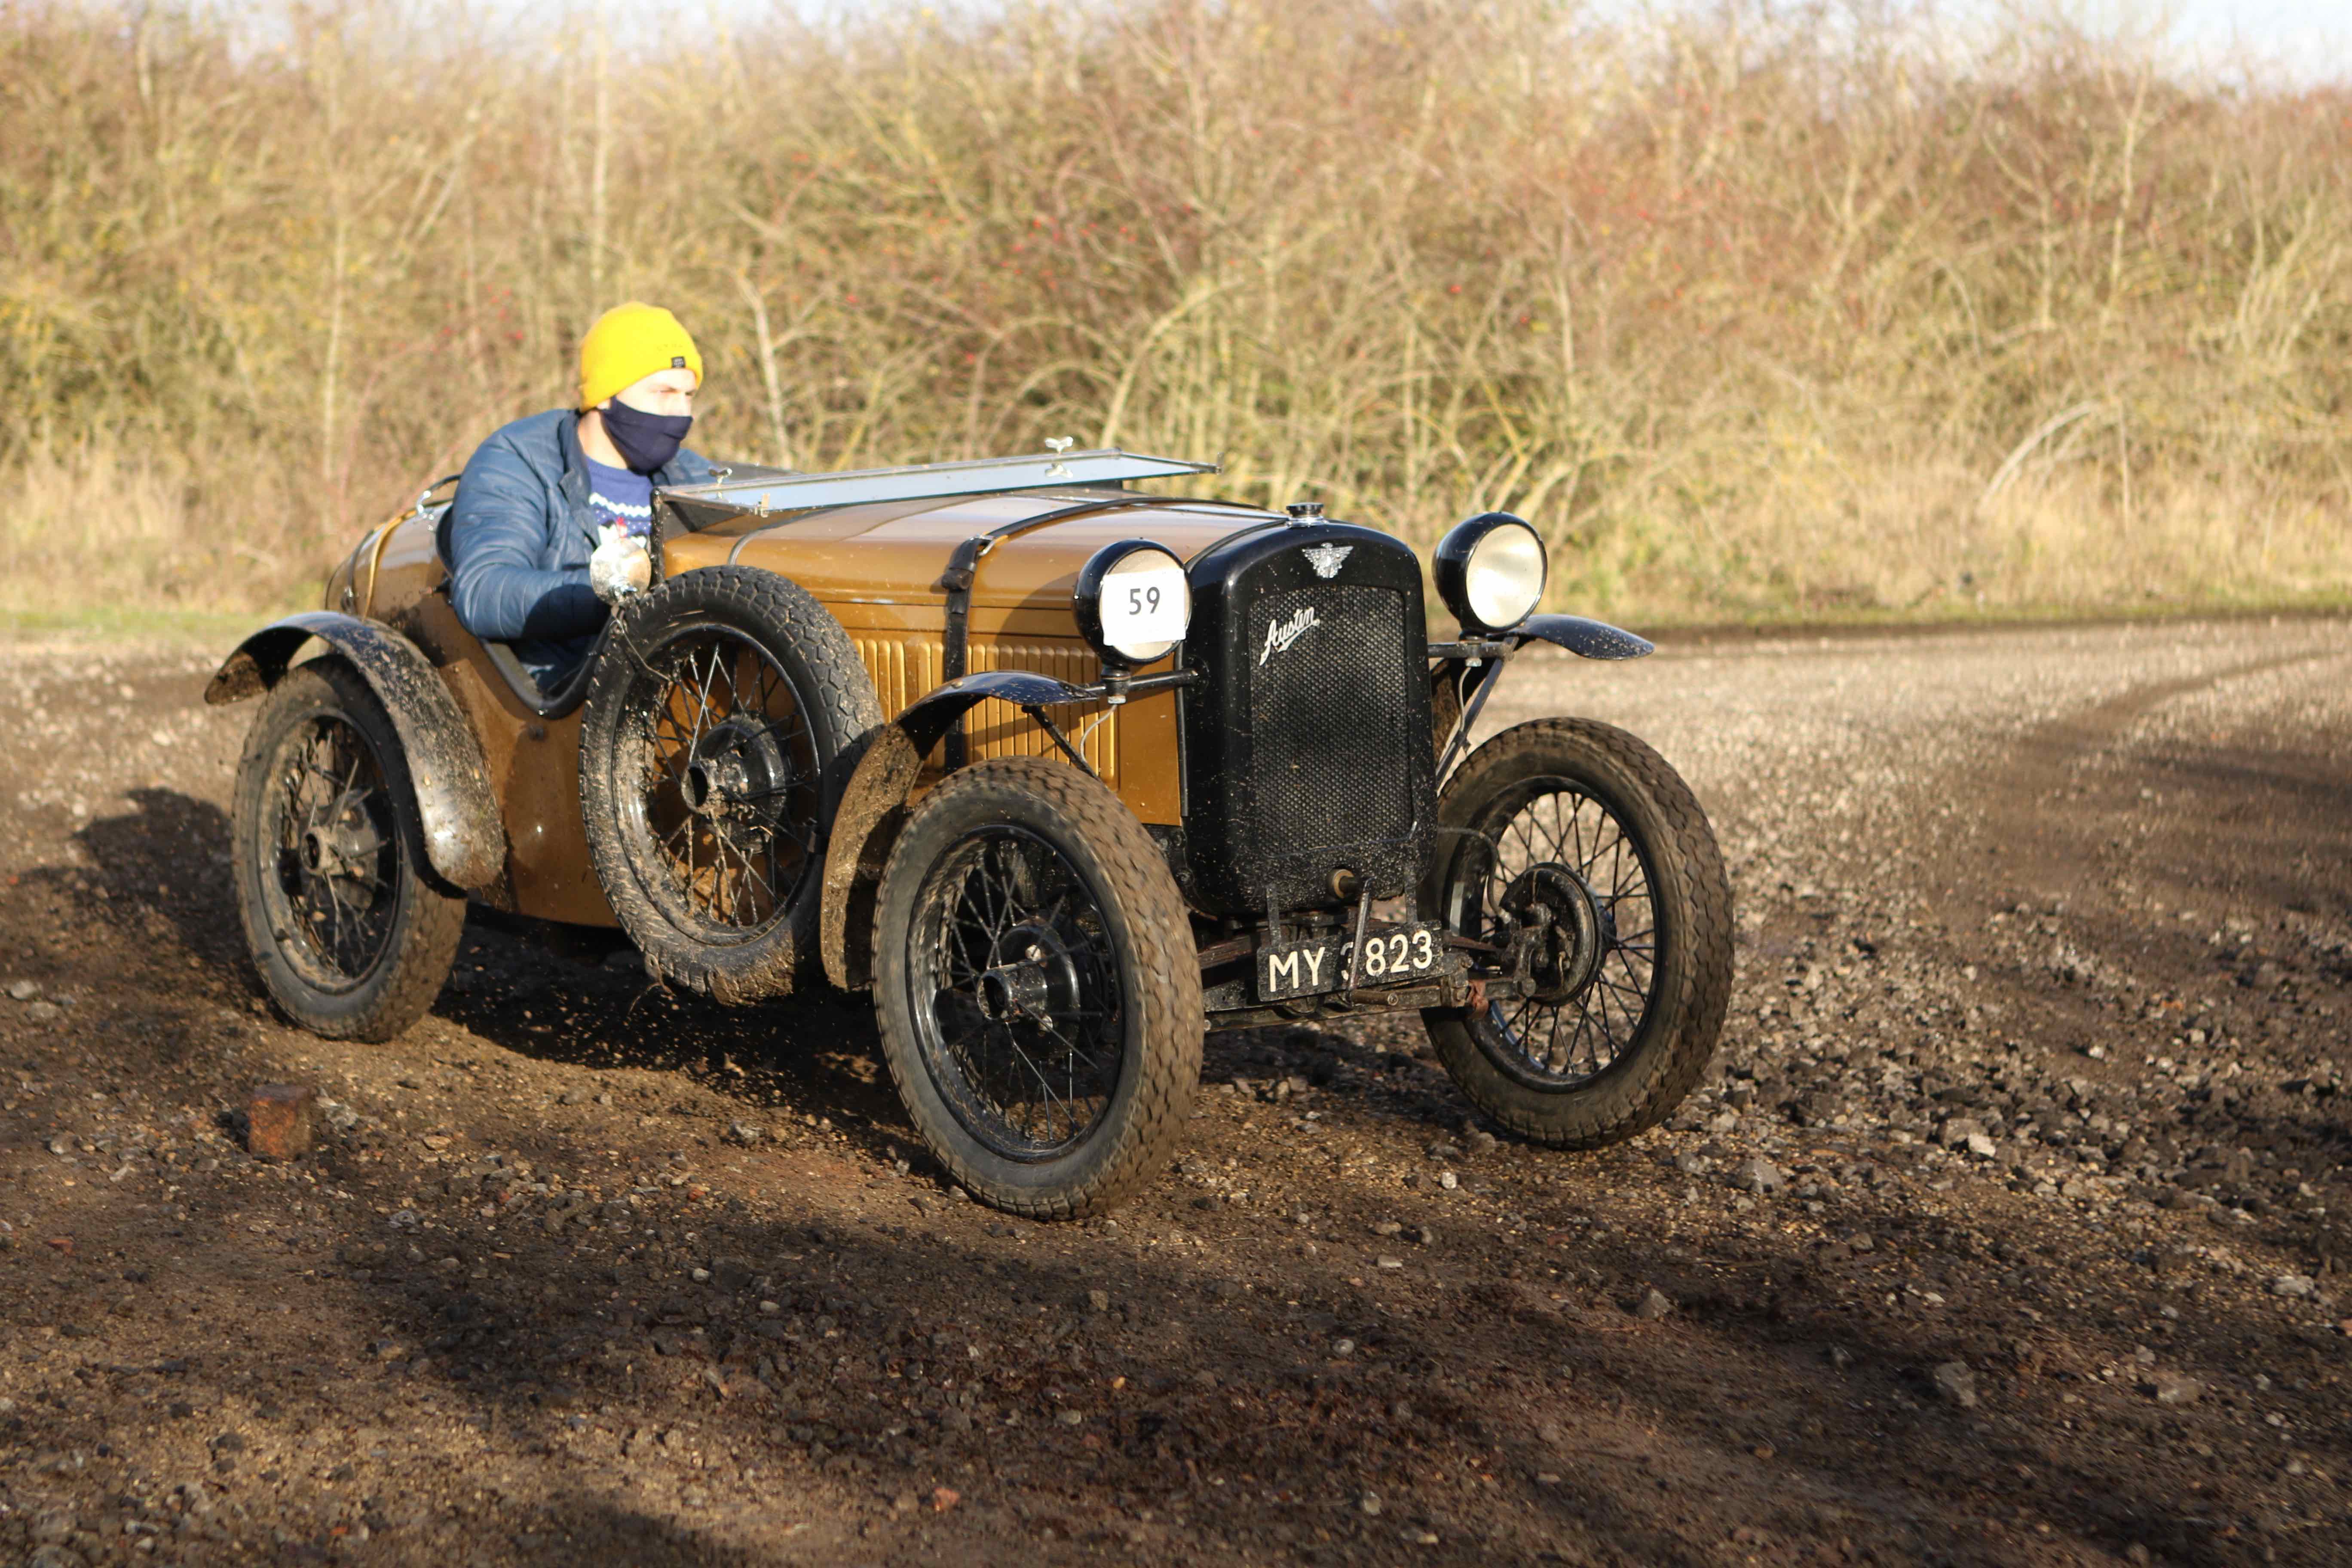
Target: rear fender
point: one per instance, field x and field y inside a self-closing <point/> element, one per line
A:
<point x="463" y="835"/>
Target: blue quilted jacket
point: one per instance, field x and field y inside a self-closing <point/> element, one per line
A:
<point x="519" y="536"/>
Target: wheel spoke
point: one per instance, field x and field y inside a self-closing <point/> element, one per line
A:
<point x="725" y="823"/>
<point x="1620" y="866"/>
<point x="779" y="732"/>
<point x="724" y="668"/>
<point x="1633" y="984"/>
<point x="1630" y="998"/>
<point x="702" y="692"/>
<point x="766" y="885"/>
<point x="728" y="849"/>
<point x="1585" y="846"/>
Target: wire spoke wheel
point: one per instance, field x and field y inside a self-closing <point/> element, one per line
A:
<point x="717" y="732"/>
<point x="334" y="852"/>
<point x="350" y="931"/>
<point x="1044" y="1045"/>
<point x="1582" y="862"/>
<point x="1026" y="1020"/>
<point x="723" y="809"/>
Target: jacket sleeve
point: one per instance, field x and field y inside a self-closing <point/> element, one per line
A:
<point x="499" y="539"/>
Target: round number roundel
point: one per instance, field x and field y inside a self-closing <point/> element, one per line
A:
<point x="1134" y="602"/>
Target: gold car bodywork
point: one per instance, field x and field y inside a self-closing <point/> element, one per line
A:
<point x="877" y="567"/>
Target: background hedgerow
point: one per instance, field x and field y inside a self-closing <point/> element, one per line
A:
<point x="1752" y="313"/>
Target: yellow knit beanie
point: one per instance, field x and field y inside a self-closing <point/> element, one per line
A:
<point x="628" y="343"/>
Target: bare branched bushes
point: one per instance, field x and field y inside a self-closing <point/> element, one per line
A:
<point x="1750" y="315"/>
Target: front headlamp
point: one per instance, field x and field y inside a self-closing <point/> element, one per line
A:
<point x="1490" y="572"/>
<point x="1134" y="602"/>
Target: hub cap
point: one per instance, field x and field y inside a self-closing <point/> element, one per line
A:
<point x="1571" y="931"/>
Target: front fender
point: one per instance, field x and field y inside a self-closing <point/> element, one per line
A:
<point x="927" y="721"/>
<point x="463" y="835"/>
<point x="873" y="806"/>
<point x="865" y="824"/>
<point x="1585" y="639"/>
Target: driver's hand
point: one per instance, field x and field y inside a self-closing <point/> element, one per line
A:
<point x="620" y="566"/>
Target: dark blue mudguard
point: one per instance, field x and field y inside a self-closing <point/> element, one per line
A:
<point x="873" y="806"/>
<point x="926" y="721"/>
<point x="1585" y="639"/>
<point x="463" y="835"/>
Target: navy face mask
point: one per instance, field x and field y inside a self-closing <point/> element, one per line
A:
<point x="646" y="442"/>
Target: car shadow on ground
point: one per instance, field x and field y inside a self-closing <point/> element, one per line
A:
<point x="585" y="1528"/>
<point x="555" y="992"/>
<point x="579" y="996"/>
<point x="169" y="856"/>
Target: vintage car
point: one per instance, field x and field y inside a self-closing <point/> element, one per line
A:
<point x="1065" y="772"/>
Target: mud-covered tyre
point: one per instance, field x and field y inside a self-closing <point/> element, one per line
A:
<point x="1583" y="831"/>
<point x="350" y="929"/>
<point x="725" y="715"/>
<point x="1039" y="1008"/>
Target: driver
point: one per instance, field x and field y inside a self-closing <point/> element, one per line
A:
<point x="554" y="512"/>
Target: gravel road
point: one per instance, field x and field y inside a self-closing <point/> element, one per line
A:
<point x="2007" y="1227"/>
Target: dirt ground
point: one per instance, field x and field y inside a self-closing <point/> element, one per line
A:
<point x="2007" y="1228"/>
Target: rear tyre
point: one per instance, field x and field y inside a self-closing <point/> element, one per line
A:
<point x="724" y="717"/>
<point x="1039" y="1010"/>
<point x="352" y="933"/>
<point x="1584" y="835"/>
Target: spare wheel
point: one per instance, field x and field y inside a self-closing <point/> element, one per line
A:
<point x="725" y="712"/>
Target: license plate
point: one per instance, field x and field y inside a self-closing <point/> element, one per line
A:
<point x="1310" y="968"/>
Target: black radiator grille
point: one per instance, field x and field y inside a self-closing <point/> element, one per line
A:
<point x="1332" y="722"/>
<point x="1305" y="738"/>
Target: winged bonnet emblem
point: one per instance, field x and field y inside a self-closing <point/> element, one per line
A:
<point x="1326" y="558"/>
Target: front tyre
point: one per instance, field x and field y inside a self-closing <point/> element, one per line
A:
<point x="350" y="931"/>
<point x="1039" y="1010"/>
<point x="1579" y="847"/>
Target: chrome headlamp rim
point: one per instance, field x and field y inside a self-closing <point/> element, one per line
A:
<point x="1087" y="602"/>
<point x="1456" y="562"/>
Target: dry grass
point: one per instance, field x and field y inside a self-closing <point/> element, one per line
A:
<point x="1751" y="317"/>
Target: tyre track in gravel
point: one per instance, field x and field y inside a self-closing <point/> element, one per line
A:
<point x="2061" y="820"/>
